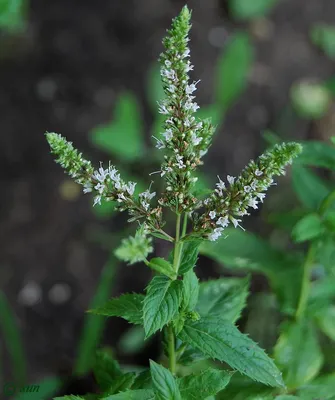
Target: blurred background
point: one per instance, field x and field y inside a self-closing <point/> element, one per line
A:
<point x="87" y="69"/>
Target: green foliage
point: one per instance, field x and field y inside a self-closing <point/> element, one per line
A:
<point x="161" y="303"/>
<point x="323" y="36"/>
<point x="190" y="291"/>
<point x="232" y="70"/>
<point x="165" y="385"/>
<point x="162" y="266"/>
<point x="13" y="15"/>
<point x="127" y="306"/>
<point x="11" y="335"/>
<point x="309" y="227"/>
<point x="123" y="136"/>
<point x="223" y="297"/>
<point x="245" y="9"/>
<point x="189" y="256"/>
<point x="298" y="353"/>
<point x="220" y="339"/>
<point x="200" y="386"/>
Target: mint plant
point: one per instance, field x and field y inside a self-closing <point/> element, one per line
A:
<point x="195" y="319"/>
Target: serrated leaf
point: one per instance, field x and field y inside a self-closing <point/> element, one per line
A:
<point x="320" y="388"/>
<point x="140" y="394"/>
<point x="326" y="321"/>
<point x="220" y="339"/>
<point x="143" y="380"/>
<point x="232" y="70"/>
<point x="163" y="267"/>
<point x="106" y="369"/>
<point x="189" y="256"/>
<point x="190" y="291"/>
<point x="309" y="188"/>
<point x="207" y="383"/>
<point x="317" y="154"/>
<point x="191" y="356"/>
<point x="308" y="228"/>
<point x="246" y="9"/>
<point x="246" y="251"/>
<point x="161" y="303"/>
<point x="223" y="297"/>
<point x="127" y="306"/>
<point x="123" y="136"/>
<point x="298" y="354"/>
<point x="165" y="385"/>
<point x="121" y="383"/>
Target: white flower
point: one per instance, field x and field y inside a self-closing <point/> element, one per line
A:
<point x="100" y="187"/>
<point x="147" y="195"/>
<point x="189" y="67"/>
<point x="223" y="221"/>
<point x="113" y="174"/>
<point x="165" y="170"/>
<point x="221" y="185"/>
<point x="167" y="63"/>
<point x="212" y="214"/>
<point x="87" y="187"/>
<point x="130" y="187"/>
<point x="100" y="175"/>
<point x="230" y="179"/>
<point x="206" y="201"/>
<point x="163" y="109"/>
<point x="247" y="189"/>
<point x="191" y="88"/>
<point x="195" y="140"/>
<point x="235" y="222"/>
<point x="180" y="161"/>
<point x="253" y="203"/>
<point x="97" y="200"/>
<point x="215" y="234"/>
<point x="261" y="196"/>
<point x="258" y="172"/>
<point x="168" y="135"/>
<point x="186" y="53"/>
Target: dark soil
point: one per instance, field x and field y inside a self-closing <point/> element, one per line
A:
<point x="64" y="75"/>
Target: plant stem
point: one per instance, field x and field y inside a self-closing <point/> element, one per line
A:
<point x="305" y="285"/>
<point x="171" y="349"/>
<point x="176" y="261"/>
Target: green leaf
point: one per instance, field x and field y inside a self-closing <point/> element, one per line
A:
<point x="143" y="380"/>
<point x="320" y="388"/>
<point x="298" y="354"/>
<point x="161" y="303"/>
<point x="106" y="369"/>
<point x="223" y="297"/>
<point x="203" y="385"/>
<point x="317" y="154"/>
<point x="155" y="90"/>
<point x="286" y="219"/>
<point x="329" y="221"/>
<point x="323" y="36"/>
<point x="94" y="324"/>
<point x="286" y="397"/>
<point x="127" y="306"/>
<point x="69" y="397"/>
<point x="163" y="267"/>
<point x="232" y="70"/>
<point x="165" y="385"/>
<point x="308" y="228"/>
<point x="309" y="188"/>
<point x="220" y="339"/>
<point x="12" y="338"/>
<point x="140" y="394"/>
<point x="122" y="137"/>
<point x="246" y="9"/>
<point x="246" y="251"/>
<point x="326" y="321"/>
<point x="122" y="383"/>
<point x="189" y="256"/>
<point x="190" y="291"/>
<point x="13" y="14"/>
